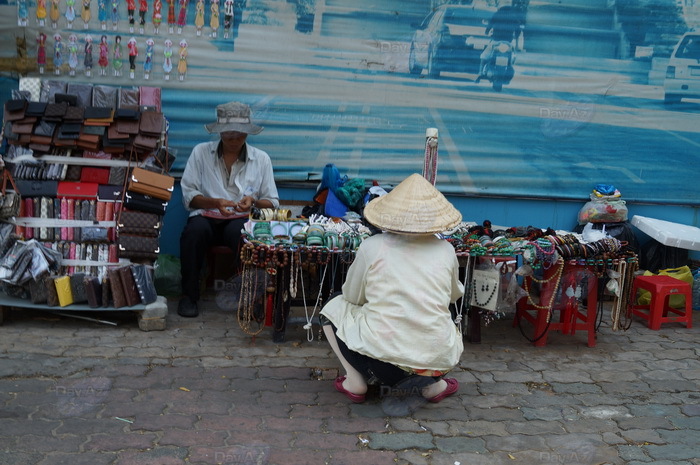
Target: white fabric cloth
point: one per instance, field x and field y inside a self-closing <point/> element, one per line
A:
<point x="205" y="174"/>
<point x="395" y="302"/>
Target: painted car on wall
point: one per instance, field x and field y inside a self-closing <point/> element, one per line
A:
<point x="451" y="39"/>
<point x="683" y="70"/>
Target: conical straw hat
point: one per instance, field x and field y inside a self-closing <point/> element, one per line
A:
<point x="413" y="207"/>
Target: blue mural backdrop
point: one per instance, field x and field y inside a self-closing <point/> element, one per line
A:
<point x="590" y="91"/>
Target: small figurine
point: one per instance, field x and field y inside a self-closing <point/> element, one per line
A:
<point x="143" y="8"/>
<point x="102" y="13"/>
<point x="182" y="64"/>
<point x="72" y="53"/>
<point x="167" y="59"/>
<point x="54" y="14"/>
<point x="171" y="15"/>
<point x="117" y="62"/>
<point x="40" y="12"/>
<point x="57" y="53"/>
<point x="103" y="60"/>
<point x="157" y="15"/>
<point x="199" y="16"/>
<point x="22" y="13"/>
<point x="115" y="14"/>
<point x="130" y="9"/>
<point x="41" y="52"/>
<point x="228" y="17"/>
<point x="214" y="20"/>
<point x="70" y="13"/>
<point x="182" y="16"/>
<point x="87" y="61"/>
<point x="86" y="14"/>
<point x="133" y="53"/>
<point x="148" y="64"/>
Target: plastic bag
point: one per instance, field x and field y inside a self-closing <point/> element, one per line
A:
<point x="167" y="277"/>
<point x="677" y="300"/>
<point x="603" y="210"/>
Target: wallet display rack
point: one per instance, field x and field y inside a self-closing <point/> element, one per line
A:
<point x="91" y="166"/>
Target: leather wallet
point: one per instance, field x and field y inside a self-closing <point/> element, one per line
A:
<point x="77" y="190"/>
<point x="83" y="92"/>
<point x="73" y="173"/>
<point x="35" y="109"/>
<point x="128" y="126"/>
<point x="115" y="285"/>
<point x="144" y="283"/>
<point x="106" y="291"/>
<point x="93" y="289"/>
<point x="109" y="193"/>
<point x="147" y="182"/>
<point x="139" y="223"/>
<point x="68" y="98"/>
<point x="55" y="111"/>
<point x="128" y="98"/>
<point x="144" y="203"/>
<point x="151" y="123"/>
<point x="15" y="109"/>
<point x="98" y="113"/>
<point x="51" y="293"/>
<point x="74" y="115"/>
<point x="150" y="97"/>
<point x="32" y="188"/>
<point x="131" y="292"/>
<point x="104" y="96"/>
<point x="37" y="290"/>
<point x="130" y="244"/>
<point x="95" y="174"/>
<point x="77" y="286"/>
<point x="63" y="289"/>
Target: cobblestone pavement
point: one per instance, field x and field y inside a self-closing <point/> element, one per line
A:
<point x="203" y="392"/>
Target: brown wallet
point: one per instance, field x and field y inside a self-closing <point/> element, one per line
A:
<point x="115" y="285"/>
<point x="131" y="292"/>
<point x="150" y="183"/>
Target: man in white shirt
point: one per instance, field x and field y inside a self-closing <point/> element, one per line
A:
<point x="222" y="181"/>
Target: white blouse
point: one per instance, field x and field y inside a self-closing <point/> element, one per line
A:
<point x="395" y="302"/>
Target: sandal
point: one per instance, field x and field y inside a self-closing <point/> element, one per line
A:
<point x="356" y="398"/>
<point x="452" y="387"/>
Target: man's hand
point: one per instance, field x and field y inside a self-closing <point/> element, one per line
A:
<point x="245" y="204"/>
<point x="226" y="207"/>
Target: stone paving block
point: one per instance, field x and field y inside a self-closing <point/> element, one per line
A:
<point x="536" y="427"/>
<point x="362" y="457"/>
<point x="672" y="452"/>
<point x="115" y="443"/>
<point x="575" y="388"/>
<point x="613" y="439"/>
<point x="686" y="422"/>
<point x="400" y="441"/>
<point x="631" y="453"/>
<point x="643" y="422"/>
<point x="654" y="410"/>
<point x="253" y="452"/>
<point x="496" y="414"/>
<point x="84" y="458"/>
<point x="586" y="425"/>
<point x="160" y="422"/>
<point x="192" y="437"/>
<point x="460" y="444"/>
<point x="319" y="441"/>
<point x="413" y="457"/>
<point x="359" y="425"/>
<point x="643" y="436"/>
<point x="290" y="425"/>
<point x="149" y="458"/>
<point x="478" y="428"/>
<point x="515" y="443"/>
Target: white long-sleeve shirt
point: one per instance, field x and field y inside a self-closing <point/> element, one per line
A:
<point x="205" y="174"/>
<point x="395" y="302"/>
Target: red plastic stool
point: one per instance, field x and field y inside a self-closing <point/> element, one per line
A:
<point x="658" y="311"/>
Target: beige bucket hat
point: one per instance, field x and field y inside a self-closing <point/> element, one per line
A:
<point x="413" y="207"/>
<point x="233" y="116"/>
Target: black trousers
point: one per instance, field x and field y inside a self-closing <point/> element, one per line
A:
<point x="373" y="369"/>
<point x="199" y="235"/>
